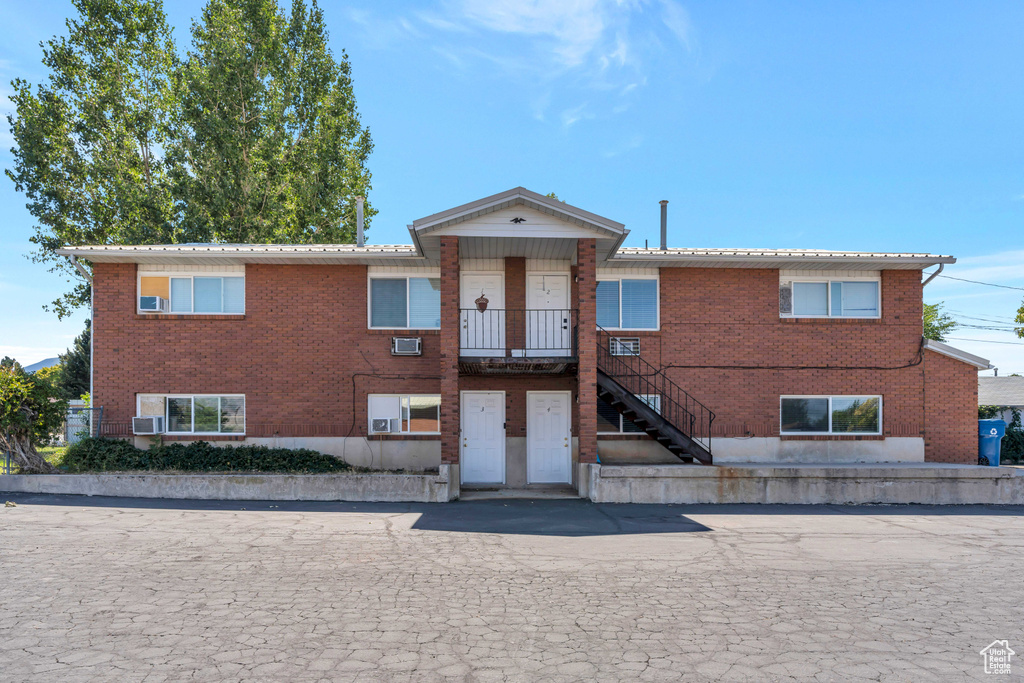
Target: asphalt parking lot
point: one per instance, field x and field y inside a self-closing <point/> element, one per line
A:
<point x="133" y="590"/>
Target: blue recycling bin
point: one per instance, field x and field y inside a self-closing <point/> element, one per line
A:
<point x="990" y="434"/>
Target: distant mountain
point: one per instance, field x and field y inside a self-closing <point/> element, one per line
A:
<point x="49" y="362"/>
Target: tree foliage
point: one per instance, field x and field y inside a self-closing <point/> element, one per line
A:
<point x="271" y="146"/>
<point x="88" y="140"/>
<point x="30" y="411"/>
<point x="254" y="136"/>
<point x="1020" y="320"/>
<point x="936" y="323"/>
<point x="73" y="377"/>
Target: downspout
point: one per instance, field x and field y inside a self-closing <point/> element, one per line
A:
<point x="92" y="335"/>
<point x="933" y="275"/>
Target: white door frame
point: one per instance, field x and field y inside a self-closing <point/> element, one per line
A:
<point x="568" y="395"/>
<point x="492" y="318"/>
<point x="557" y="333"/>
<point x="504" y="432"/>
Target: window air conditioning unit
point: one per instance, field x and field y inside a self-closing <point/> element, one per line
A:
<point x="625" y="346"/>
<point x="147" y="425"/>
<point x="153" y="304"/>
<point x="406" y="346"/>
<point x="383" y="425"/>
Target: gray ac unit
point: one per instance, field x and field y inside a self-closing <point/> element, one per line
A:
<point x="147" y="425"/>
<point x="406" y="346"/>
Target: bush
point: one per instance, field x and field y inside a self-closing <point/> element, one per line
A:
<point x="115" y="455"/>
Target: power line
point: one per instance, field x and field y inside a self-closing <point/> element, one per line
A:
<point x="978" y="282"/>
<point x="987" y="341"/>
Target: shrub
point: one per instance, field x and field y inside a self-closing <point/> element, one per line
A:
<point x="115" y="455"/>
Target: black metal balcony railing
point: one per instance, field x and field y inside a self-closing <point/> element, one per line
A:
<point x="517" y="333"/>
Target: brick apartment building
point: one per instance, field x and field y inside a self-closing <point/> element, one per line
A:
<point x="515" y="339"/>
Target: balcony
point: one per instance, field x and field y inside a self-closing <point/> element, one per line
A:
<point x="513" y="342"/>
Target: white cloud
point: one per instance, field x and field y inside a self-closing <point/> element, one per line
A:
<point x="677" y="19"/>
<point x="571" y="116"/>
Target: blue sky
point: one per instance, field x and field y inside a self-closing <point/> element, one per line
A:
<point x="867" y="126"/>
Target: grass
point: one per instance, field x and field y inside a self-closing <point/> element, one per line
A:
<point x="52" y="454"/>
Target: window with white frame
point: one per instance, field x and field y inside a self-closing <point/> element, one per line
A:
<point x="191" y="294"/>
<point x="627" y="303"/>
<point x="196" y="413"/>
<point x="405" y="302"/>
<point x="406" y="413"/>
<point x="831" y="414"/>
<point x="609" y="421"/>
<point x="830" y="298"/>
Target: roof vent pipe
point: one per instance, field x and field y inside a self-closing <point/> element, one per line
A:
<point x="359" y="221"/>
<point x="664" y="224"/>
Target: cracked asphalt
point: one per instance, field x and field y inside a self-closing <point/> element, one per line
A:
<point x="134" y="590"/>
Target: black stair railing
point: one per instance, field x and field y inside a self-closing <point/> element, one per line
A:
<point x="636" y="375"/>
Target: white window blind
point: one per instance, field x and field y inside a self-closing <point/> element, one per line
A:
<point x="405" y="302"/>
<point x="627" y="304"/>
<point x="181" y="295"/>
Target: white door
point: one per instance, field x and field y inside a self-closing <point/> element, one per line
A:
<point x="549" y="322"/>
<point x="548" y="440"/>
<point x="482" y="333"/>
<point x="483" y="437"/>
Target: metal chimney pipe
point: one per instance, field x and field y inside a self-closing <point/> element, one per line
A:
<point x="359" y="221"/>
<point x="664" y="224"/>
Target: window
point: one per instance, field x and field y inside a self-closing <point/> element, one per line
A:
<point x="411" y="414"/>
<point x="405" y="302"/>
<point x="628" y="304"/>
<point x="834" y="298"/>
<point x="831" y="414"/>
<point x="609" y="421"/>
<point x="198" y="414"/>
<point x="191" y="294"/>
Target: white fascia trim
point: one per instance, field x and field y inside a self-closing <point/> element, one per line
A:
<point x="957" y="354"/>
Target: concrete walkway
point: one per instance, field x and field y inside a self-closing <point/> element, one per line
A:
<point x="135" y="589"/>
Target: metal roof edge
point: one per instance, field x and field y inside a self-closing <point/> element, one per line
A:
<point x="957" y="354"/>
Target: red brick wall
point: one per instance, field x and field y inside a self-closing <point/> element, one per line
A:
<point x="951" y="410"/>
<point x="305" y="360"/>
<point x="586" y="293"/>
<point x="723" y="341"/>
<point x="449" y="357"/>
<point x="301" y="353"/>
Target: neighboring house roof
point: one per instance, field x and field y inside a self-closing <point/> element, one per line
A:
<point x="957" y="354"/>
<point x="544" y="228"/>
<point x="1001" y="391"/>
<point x="48" y="363"/>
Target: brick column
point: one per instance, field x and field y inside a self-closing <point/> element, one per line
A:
<point x="586" y="301"/>
<point x="515" y="302"/>
<point x="450" y="350"/>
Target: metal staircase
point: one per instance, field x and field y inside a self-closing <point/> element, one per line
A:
<point x="676" y="420"/>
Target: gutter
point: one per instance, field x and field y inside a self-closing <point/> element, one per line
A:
<point x="81" y="269"/>
<point x="933" y="275"/>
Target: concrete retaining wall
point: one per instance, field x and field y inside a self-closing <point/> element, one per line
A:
<point x="390" y="488"/>
<point x="804" y="484"/>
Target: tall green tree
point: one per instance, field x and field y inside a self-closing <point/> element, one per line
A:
<point x="89" y="139"/>
<point x="936" y="323"/>
<point x="73" y="377"/>
<point x="1020" y="319"/>
<point x="271" y="147"/>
